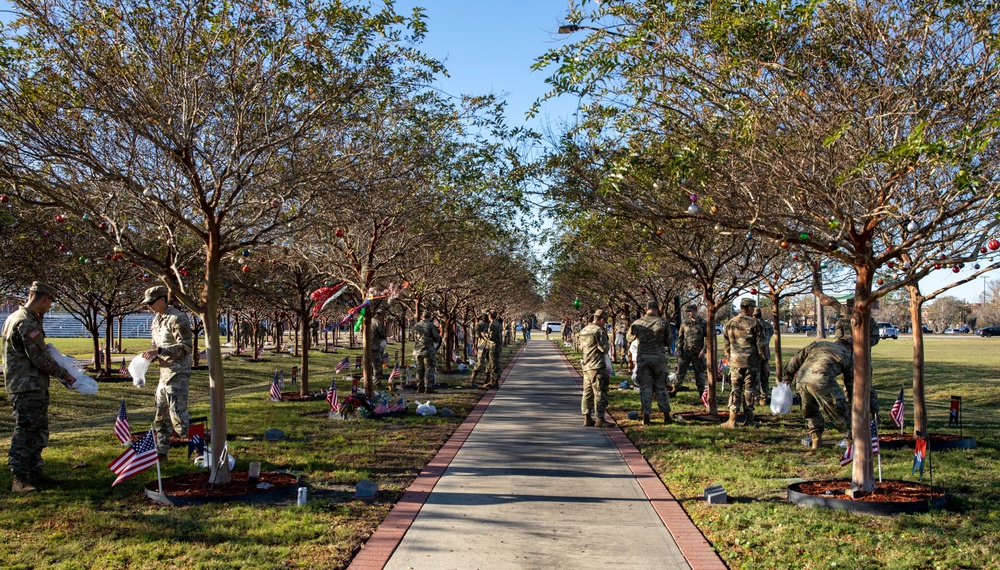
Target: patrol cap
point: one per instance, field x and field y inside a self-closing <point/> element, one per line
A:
<point x="154" y="293"/>
<point x="747" y="302"/>
<point x="427" y="315"/>
<point x="40" y="288"/>
<point x="849" y="302"/>
<point x="652" y="304"/>
<point x="599" y="314"/>
<point x="692" y="308"/>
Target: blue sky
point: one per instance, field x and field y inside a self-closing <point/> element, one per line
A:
<point x="489" y="47"/>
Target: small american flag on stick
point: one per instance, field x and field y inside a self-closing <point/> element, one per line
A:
<point x="381" y="408"/>
<point x="122" y="431"/>
<point x="140" y="456"/>
<point x="331" y="397"/>
<point x="343" y="365"/>
<point x="276" y="386"/>
<point x="849" y="454"/>
<point x="123" y="369"/>
<point x="898" y="412"/>
<point x="704" y="398"/>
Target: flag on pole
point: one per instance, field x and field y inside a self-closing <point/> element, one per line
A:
<point x="956" y="406"/>
<point x="919" y="453"/>
<point x="394" y="374"/>
<point x="196" y="439"/>
<point x="849" y="453"/>
<point x="705" y="398"/>
<point x="898" y="412"/>
<point x="357" y="363"/>
<point x="276" y="386"/>
<point x="122" y="431"/>
<point x="140" y="456"/>
<point x="123" y="369"/>
<point x="343" y="365"/>
<point x="331" y="397"/>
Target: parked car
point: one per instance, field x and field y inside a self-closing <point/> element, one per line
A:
<point x="551" y="326"/>
<point x="951" y="331"/>
<point x="718" y="329"/>
<point x="887" y="330"/>
<point x="926" y="329"/>
<point x="987" y="332"/>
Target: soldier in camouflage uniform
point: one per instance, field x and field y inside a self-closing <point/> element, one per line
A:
<point x="765" y="369"/>
<point x="27" y="367"/>
<point x="815" y="369"/>
<point x="484" y="348"/>
<point x="496" y="337"/>
<point x="842" y="330"/>
<point x="691" y="349"/>
<point x="426" y="340"/>
<point x="744" y="344"/>
<point x="653" y="334"/>
<point x="172" y="345"/>
<point x="379" y="337"/>
<point x="594" y="345"/>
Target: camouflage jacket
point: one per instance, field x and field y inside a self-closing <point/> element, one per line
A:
<point x="483" y="335"/>
<point x="768" y="329"/>
<point x="593" y="345"/>
<point x="820" y="363"/>
<point x="26" y="364"/>
<point x="843" y="330"/>
<point x="174" y="340"/>
<point x="691" y="335"/>
<point x="744" y="342"/>
<point x="653" y="334"/>
<point x="426" y="338"/>
<point x="378" y="333"/>
<point x="496" y="333"/>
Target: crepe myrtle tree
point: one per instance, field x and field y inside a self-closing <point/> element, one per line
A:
<point x="192" y="121"/>
<point x="859" y="130"/>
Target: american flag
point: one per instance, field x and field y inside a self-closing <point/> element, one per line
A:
<point x="122" y="431"/>
<point x="331" y="396"/>
<point x="343" y="365"/>
<point x="357" y="363"/>
<point x="399" y="406"/>
<point x="381" y="408"/>
<point x="276" y="388"/>
<point x="898" y="413"/>
<point x="123" y="369"/>
<point x="140" y="456"/>
<point x="704" y="398"/>
<point x="849" y="454"/>
<point x="394" y="374"/>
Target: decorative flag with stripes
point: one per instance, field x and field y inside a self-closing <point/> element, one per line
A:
<point x="331" y="397"/>
<point x="953" y="411"/>
<point x="276" y="386"/>
<point x="919" y="453"/>
<point x="140" y="456"/>
<point x="381" y="408"/>
<point x="399" y="406"/>
<point x="394" y="374"/>
<point x="849" y="454"/>
<point x="705" y="397"/>
<point x="343" y="365"/>
<point x="898" y="413"/>
<point x="196" y="439"/>
<point x="123" y="369"/>
<point x="122" y="431"/>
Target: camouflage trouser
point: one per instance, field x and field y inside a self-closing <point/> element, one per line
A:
<point x="821" y="401"/>
<point x="495" y="362"/>
<point x="483" y="366"/>
<point x="698" y="362"/>
<point x="651" y="374"/>
<point x="425" y="371"/>
<point x="171" y="412"/>
<point x="746" y="388"/>
<point x="377" y="362"/>
<point x="763" y="375"/>
<point x="31" y="431"/>
<point x="595" y="392"/>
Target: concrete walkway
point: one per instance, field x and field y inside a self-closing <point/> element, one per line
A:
<point x="527" y="486"/>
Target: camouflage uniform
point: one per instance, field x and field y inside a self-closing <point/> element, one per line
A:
<point x="653" y="334"/>
<point x="375" y="349"/>
<point x="173" y="340"/>
<point x="815" y="369"/>
<point x="691" y="350"/>
<point x="594" y="345"/>
<point x="767" y="329"/>
<point x="484" y="349"/>
<point x="426" y="340"/>
<point x="496" y="336"/>
<point x="27" y="367"/>
<point x="744" y="343"/>
<point x="842" y="330"/>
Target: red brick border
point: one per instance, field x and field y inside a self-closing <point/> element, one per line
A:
<point x="694" y="546"/>
<point x="378" y="549"/>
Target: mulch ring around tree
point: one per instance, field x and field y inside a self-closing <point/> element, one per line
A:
<point x="705" y="417"/>
<point x="194" y="488"/>
<point x="941" y="442"/>
<point x="297" y="397"/>
<point x="890" y="496"/>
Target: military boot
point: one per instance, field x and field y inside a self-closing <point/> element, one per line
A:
<point x="645" y="420"/>
<point x="40" y="478"/>
<point x="599" y="422"/>
<point x="731" y="424"/>
<point x="749" y="419"/>
<point x="817" y="440"/>
<point x="22" y="485"/>
<point x="672" y="390"/>
<point x="587" y="420"/>
<point x="667" y="418"/>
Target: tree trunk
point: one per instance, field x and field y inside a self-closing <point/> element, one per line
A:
<point x="216" y="380"/>
<point x="402" y="341"/>
<point x="121" y="321"/>
<point x="862" y="475"/>
<point x="919" y="400"/>
<point x="109" y="334"/>
<point x="367" y="366"/>
<point x="449" y="342"/>
<point x="712" y="348"/>
<point x="305" y="323"/>
<point x="778" y="363"/>
<point x="98" y="361"/>
<point x="194" y="341"/>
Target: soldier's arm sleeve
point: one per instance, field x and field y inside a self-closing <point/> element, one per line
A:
<point x="435" y="336"/>
<point x="680" y="335"/>
<point x="37" y="351"/>
<point x="180" y="330"/>
<point x="725" y="340"/>
<point x="793" y="365"/>
<point x="849" y="377"/>
<point x="873" y="337"/>
<point x="602" y="342"/>
<point x="762" y="347"/>
<point x="838" y="329"/>
<point x="629" y="335"/>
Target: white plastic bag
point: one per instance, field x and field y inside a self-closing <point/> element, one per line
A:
<point x="608" y="364"/>
<point x="426" y="409"/>
<point x="81" y="382"/>
<point x="781" y="399"/>
<point x="137" y="369"/>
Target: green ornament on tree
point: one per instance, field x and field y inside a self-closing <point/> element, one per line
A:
<point x="577" y="303"/>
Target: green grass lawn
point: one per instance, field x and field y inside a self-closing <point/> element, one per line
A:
<point x="760" y="529"/>
<point x="87" y="524"/>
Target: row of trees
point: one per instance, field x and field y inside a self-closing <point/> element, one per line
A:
<point x="186" y="135"/>
<point x="860" y="133"/>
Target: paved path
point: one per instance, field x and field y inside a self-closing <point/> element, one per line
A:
<point x="525" y="485"/>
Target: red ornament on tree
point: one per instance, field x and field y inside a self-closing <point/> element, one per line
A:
<point x="890" y="265"/>
<point x="102" y="226"/>
<point x="994" y="244"/>
<point x="937" y="266"/>
<point x="4" y="199"/>
<point x="63" y="248"/>
<point x="880" y="281"/>
<point x="246" y="269"/>
<point x="955" y="269"/>
<point x="783" y="244"/>
<point x="982" y="250"/>
<point x="753" y="290"/>
<point x="339" y="233"/>
<point x="60" y="218"/>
